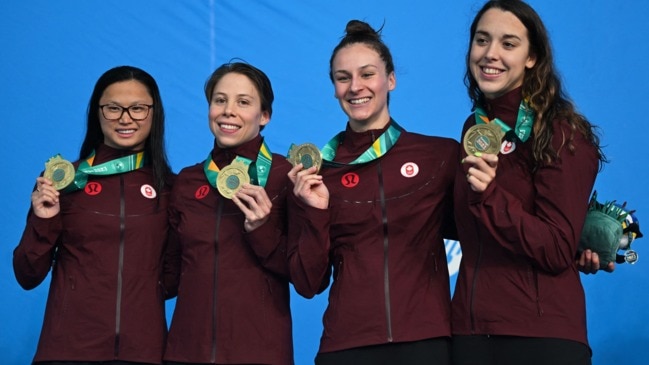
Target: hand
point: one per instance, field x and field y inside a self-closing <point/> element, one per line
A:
<point x="45" y="199"/>
<point x="482" y="171"/>
<point x="309" y="187"/>
<point x="255" y="205"/>
<point x="588" y="263"/>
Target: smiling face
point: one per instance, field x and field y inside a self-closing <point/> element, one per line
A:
<point x="125" y="133"/>
<point x="362" y="85"/>
<point x="500" y="53"/>
<point x="235" y="114"/>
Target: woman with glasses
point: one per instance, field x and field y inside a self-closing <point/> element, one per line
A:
<point x="229" y="213"/>
<point x="100" y="226"/>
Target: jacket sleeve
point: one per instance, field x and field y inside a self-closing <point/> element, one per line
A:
<point x="449" y="227"/>
<point x="171" y="265"/>
<point x="172" y="256"/>
<point x="308" y="247"/>
<point x="35" y="253"/>
<point x="269" y="241"/>
<point x="549" y="235"/>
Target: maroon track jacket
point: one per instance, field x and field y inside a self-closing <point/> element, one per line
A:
<point x="233" y="298"/>
<point x="383" y="237"/>
<point x="519" y="239"/>
<point x="105" y="249"/>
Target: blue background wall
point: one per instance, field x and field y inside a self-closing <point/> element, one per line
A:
<point x="53" y="52"/>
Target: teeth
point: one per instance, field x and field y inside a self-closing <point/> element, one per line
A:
<point x="359" y="101"/>
<point x="491" y="71"/>
<point x="229" y="126"/>
<point x="126" y="131"/>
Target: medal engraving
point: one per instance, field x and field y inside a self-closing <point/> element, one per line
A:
<point x="482" y="138"/>
<point x="307" y="154"/>
<point x="60" y="171"/>
<point x="231" y="178"/>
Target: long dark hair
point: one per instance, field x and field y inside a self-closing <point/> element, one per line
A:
<point x="541" y="85"/>
<point x="154" y="145"/>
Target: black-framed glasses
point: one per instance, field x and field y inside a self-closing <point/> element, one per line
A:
<point x="136" y="112"/>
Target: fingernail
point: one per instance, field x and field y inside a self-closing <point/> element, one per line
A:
<point x="478" y="154"/>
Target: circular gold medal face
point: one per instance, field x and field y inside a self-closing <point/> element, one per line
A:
<point x="231" y="178"/>
<point x="482" y="138"/>
<point x="307" y="154"/>
<point x="60" y="171"/>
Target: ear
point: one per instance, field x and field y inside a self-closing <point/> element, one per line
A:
<point x="531" y="61"/>
<point x="265" y="118"/>
<point x="392" y="81"/>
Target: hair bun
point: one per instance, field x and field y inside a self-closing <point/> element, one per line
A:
<point x="360" y="29"/>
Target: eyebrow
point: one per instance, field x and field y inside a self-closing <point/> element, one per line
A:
<point x="114" y="102"/>
<point x="216" y="93"/>
<point x="359" y="68"/>
<point x="506" y="36"/>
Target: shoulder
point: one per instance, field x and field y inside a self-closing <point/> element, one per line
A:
<point x="170" y="180"/>
<point x="570" y="142"/>
<point x="280" y="163"/>
<point x="435" y="142"/>
<point x="189" y="172"/>
<point x="562" y="132"/>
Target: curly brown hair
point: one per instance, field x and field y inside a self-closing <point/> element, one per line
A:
<point x="541" y="86"/>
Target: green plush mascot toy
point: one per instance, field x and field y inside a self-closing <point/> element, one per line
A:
<point x="610" y="228"/>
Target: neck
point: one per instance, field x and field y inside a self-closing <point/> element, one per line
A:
<point x="360" y="126"/>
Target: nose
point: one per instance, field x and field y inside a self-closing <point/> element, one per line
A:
<point x="356" y="84"/>
<point x="125" y="117"/>
<point x="228" y="108"/>
<point x="491" y="52"/>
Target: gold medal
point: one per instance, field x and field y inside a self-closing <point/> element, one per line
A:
<point x="483" y="138"/>
<point x="307" y="154"/>
<point x="60" y="171"/>
<point x="231" y="178"/>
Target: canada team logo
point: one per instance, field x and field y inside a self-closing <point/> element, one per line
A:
<point x="148" y="191"/>
<point x="409" y="169"/>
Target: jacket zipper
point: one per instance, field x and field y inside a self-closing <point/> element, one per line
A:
<point x="120" y="269"/>
<point x="386" y="273"/>
<point x="219" y="210"/>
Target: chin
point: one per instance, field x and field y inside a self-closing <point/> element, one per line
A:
<point x="226" y="143"/>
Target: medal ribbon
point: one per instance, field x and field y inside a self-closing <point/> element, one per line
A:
<point x="112" y="167"/>
<point x="378" y="148"/>
<point x="524" y="122"/>
<point x="258" y="175"/>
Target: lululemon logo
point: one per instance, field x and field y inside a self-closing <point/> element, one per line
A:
<point x="350" y="179"/>
<point x="201" y="192"/>
<point x="92" y="188"/>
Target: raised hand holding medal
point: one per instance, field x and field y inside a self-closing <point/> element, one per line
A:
<point x="307" y="154"/>
<point x="59" y="171"/>
<point x="482" y="138"/>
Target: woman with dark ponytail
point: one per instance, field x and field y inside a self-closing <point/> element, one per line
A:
<point x="375" y="215"/>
